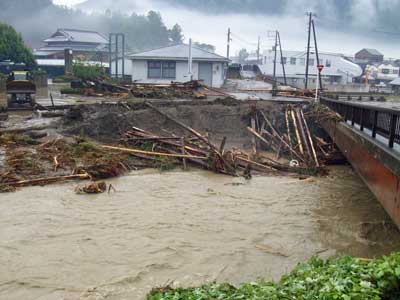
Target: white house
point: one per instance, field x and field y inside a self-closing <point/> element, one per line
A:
<point x="337" y="69"/>
<point x="383" y="72"/>
<point x="170" y="64"/>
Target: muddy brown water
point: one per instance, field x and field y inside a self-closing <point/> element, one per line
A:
<point x="182" y="227"/>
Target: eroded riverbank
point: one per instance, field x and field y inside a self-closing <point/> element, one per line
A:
<point x="182" y="227"/>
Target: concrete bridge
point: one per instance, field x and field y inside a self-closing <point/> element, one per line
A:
<point x="369" y="136"/>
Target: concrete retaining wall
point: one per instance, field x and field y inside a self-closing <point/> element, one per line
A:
<point x="347" y="88"/>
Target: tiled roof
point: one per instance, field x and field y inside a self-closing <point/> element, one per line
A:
<point x="75" y="35"/>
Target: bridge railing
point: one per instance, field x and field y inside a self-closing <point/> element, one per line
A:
<point x="377" y="120"/>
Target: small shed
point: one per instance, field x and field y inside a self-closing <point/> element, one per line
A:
<point x="170" y="64"/>
<point x="395" y="84"/>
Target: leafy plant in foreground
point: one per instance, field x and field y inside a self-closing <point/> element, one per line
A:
<point x="346" y="278"/>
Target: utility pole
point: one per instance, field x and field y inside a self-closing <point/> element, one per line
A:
<point x="258" y="51"/>
<point x="229" y="43"/>
<point x="308" y="48"/>
<point x="274" y="74"/>
<point x="316" y="52"/>
<point x="282" y="62"/>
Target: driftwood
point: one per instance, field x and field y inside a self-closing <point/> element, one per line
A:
<point x="297" y="133"/>
<point x="134" y="152"/>
<point x="302" y="132"/>
<point x="266" y="142"/>
<point x="288" y="129"/>
<point x="310" y="139"/>
<point x="230" y="168"/>
<point x="43" y="181"/>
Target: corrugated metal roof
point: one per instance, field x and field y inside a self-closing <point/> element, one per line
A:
<point x="395" y="82"/>
<point x="178" y="52"/>
<point x="75" y="35"/>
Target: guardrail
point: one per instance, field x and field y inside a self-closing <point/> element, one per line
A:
<point x="380" y="121"/>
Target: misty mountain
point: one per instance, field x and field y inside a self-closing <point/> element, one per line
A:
<point x="37" y="19"/>
<point x="340" y="14"/>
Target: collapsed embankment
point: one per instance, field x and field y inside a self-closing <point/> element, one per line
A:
<point x="106" y="123"/>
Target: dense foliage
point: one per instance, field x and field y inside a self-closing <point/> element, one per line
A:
<point x="12" y="46"/>
<point x="85" y="72"/>
<point x="38" y="19"/>
<point x="345" y="279"/>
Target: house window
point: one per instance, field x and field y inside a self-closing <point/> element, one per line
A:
<point x="284" y="59"/>
<point x="311" y="62"/>
<point x="159" y="69"/>
<point x="293" y="60"/>
<point x="302" y="61"/>
<point x="169" y="70"/>
<point x="154" y="69"/>
<point x="385" y="71"/>
<point x="328" y="63"/>
<point x="395" y="71"/>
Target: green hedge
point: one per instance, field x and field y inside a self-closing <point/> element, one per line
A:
<point x="346" y="278"/>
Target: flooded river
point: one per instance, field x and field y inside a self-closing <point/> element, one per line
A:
<point x="182" y="227"/>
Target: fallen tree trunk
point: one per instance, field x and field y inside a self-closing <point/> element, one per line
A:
<point x="134" y="151"/>
<point x="48" y="180"/>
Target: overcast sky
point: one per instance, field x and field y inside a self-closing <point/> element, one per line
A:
<point x="67" y="2"/>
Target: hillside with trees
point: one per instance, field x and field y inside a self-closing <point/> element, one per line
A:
<point x="37" y="19"/>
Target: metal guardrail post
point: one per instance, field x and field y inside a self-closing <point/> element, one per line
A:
<point x="392" y="132"/>
<point x="353" y="115"/>
<point x="375" y="124"/>
<point x="362" y="120"/>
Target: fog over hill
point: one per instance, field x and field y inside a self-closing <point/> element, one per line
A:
<point x="342" y="25"/>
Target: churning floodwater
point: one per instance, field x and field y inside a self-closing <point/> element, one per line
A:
<point x="184" y="228"/>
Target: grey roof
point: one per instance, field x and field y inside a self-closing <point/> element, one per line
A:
<point x="50" y="50"/>
<point x="395" y="82"/>
<point x="372" y="51"/>
<point x="178" y="52"/>
<point x="75" y="35"/>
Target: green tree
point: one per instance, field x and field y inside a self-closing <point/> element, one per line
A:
<point x="207" y="47"/>
<point x="12" y="46"/>
<point x="176" y="35"/>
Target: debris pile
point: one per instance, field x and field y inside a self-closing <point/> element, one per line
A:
<point x="198" y="150"/>
<point x="188" y="90"/>
<point x="304" y="148"/>
<point x="96" y="88"/>
<point x="27" y="162"/>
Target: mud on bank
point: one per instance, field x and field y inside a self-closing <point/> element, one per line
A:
<point x="230" y="118"/>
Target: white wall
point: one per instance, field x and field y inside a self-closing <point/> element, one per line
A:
<point x="339" y="66"/>
<point x="218" y="75"/>
<point x="138" y="69"/>
<point x="128" y="67"/>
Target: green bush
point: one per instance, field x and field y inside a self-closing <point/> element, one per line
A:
<point x="85" y="72"/>
<point x="346" y="278"/>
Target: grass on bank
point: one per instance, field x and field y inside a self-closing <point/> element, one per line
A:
<point x="346" y="278"/>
